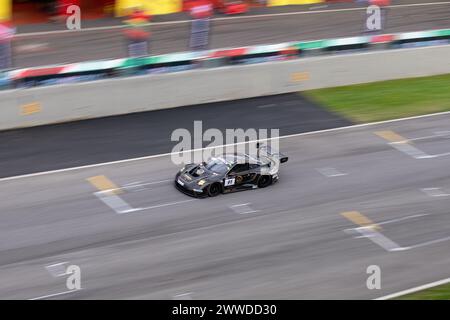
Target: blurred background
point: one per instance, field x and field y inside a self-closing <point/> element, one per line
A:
<point x="86" y="120"/>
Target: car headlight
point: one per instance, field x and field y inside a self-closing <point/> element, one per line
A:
<point x="201" y="182"/>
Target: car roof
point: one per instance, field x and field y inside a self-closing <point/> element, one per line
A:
<point x="233" y="158"/>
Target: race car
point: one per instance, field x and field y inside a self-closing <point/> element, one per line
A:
<point x="230" y="172"/>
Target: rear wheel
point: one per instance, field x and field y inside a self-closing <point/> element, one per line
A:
<point x="214" y="189"/>
<point x="264" y="181"/>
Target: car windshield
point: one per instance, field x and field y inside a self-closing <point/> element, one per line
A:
<point x="217" y="166"/>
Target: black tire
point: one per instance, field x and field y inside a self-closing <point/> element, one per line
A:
<point x="214" y="190"/>
<point x="264" y="181"/>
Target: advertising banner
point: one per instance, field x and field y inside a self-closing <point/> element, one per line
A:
<point x="5" y="10"/>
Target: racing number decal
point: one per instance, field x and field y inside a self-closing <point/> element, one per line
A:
<point x="229" y="182"/>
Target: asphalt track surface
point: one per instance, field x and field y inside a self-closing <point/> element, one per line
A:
<point x="141" y="134"/>
<point x="262" y="26"/>
<point x="288" y="241"/>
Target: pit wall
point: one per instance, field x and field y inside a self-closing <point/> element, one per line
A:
<point x="62" y="103"/>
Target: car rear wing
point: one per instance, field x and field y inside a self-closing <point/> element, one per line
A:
<point x="266" y="150"/>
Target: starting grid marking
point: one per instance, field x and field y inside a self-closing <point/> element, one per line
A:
<point x="406" y="145"/>
<point x="109" y="194"/>
<point x="120" y="206"/>
<point x="243" y="208"/>
<point x="371" y="230"/>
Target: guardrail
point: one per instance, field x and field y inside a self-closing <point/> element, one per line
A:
<point x="96" y="70"/>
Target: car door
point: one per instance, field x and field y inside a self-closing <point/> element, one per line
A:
<point x="237" y="176"/>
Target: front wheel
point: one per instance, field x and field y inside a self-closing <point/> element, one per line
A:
<point x="214" y="189"/>
<point x="264" y="181"/>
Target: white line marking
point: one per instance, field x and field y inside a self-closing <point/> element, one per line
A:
<point x="166" y="204"/>
<point x="57" y="269"/>
<point x="380" y="239"/>
<point x="331" y="172"/>
<point x="442" y="134"/>
<point x="120" y="206"/>
<point x="403" y="219"/>
<point x="243" y="208"/>
<point x="239" y="205"/>
<point x="409" y="150"/>
<point x="194" y="150"/>
<point x="31" y="48"/>
<point x="437" y="134"/>
<point x="415" y="289"/>
<point x="140" y="186"/>
<point x="247" y="212"/>
<point x="133" y="183"/>
<point x="249" y="17"/>
<point x="114" y="202"/>
<point x="388" y="222"/>
<point x="435" y="192"/>
<point x="431" y="156"/>
<point x="386" y="243"/>
<point x="183" y="296"/>
<point x="56" y="264"/>
<point x="270" y="105"/>
<point x="416" y="153"/>
<point x="140" y="183"/>
<point x="56" y="294"/>
<point x="420" y="245"/>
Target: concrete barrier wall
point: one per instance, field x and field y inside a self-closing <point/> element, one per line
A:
<point x="46" y="105"/>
